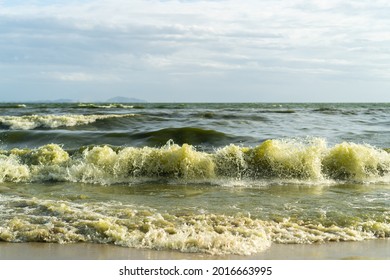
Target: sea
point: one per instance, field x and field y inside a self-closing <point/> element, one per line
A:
<point x="214" y="178"/>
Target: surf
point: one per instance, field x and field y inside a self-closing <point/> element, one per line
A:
<point x="45" y="220"/>
<point x="29" y="122"/>
<point x="279" y="159"/>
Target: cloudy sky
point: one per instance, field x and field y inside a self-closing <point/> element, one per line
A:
<point x="196" y="51"/>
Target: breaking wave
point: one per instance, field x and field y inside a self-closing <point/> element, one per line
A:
<point x="107" y="106"/>
<point x="53" y="121"/>
<point x="310" y="160"/>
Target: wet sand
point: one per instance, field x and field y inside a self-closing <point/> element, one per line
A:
<point x="365" y="250"/>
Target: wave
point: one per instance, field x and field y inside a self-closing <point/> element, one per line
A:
<point x="335" y="111"/>
<point x="12" y="106"/>
<point x="224" y="116"/>
<point x="53" y="121"/>
<point x="44" y="220"/>
<point x="182" y="135"/>
<point x="284" y="111"/>
<point x="109" y="106"/>
<point x="116" y="132"/>
<point x="273" y="160"/>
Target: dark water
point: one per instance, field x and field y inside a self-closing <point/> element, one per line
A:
<point x="205" y="125"/>
<point x="215" y="178"/>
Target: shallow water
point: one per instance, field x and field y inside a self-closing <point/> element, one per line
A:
<point x="207" y="178"/>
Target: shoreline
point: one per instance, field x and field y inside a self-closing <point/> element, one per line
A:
<point x="378" y="249"/>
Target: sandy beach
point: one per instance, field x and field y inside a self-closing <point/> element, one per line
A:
<point x="365" y="250"/>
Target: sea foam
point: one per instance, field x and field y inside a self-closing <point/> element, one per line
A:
<point x="53" y="121"/>
<point x="44" y="220"/>
<point x="310" y="160"/>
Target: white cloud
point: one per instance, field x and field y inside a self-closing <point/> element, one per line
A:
<point x="79" y="77"/>
<point x="118" y="40"/>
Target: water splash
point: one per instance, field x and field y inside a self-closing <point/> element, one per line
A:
<point x="308" y="160"/>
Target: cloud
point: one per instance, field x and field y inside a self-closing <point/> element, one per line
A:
<point x="79" y="77"/>
<point x="138" y="41"/>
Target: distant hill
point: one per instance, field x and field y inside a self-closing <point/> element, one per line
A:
<point x="121" y="99"/>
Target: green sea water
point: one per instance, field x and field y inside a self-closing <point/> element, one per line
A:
<point x="203" y="178"/>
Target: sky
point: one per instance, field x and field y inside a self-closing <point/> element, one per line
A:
<point x="195" y="51"/>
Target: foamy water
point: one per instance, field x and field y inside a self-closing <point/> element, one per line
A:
<point x="53" y="121"/>
<point x="207" y="178"/>
<point x="275" y="160"/>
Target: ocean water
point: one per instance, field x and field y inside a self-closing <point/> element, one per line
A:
<point x="204" y="178"/>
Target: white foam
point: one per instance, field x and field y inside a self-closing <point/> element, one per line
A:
<point x="53" y="121"/>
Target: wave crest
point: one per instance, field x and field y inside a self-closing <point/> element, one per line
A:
<point x="107" y="106"/>
<point x="273" y="159"/>
<point x="53" y="121"/>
